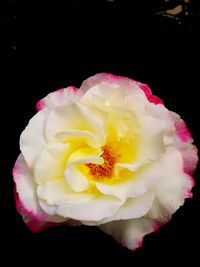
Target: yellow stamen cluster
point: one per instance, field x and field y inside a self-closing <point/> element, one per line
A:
<point x="105" y="170"/>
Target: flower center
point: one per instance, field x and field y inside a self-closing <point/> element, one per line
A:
<point x="105" y="170"/>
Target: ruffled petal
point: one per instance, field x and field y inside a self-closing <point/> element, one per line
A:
<point x="138" y="184"/>
<point x="86" y="155"/>
<point x="74" y="117"/>
<point x="146" y="89"/>
<point x="99" y="208"/>
<point x="60" y="97"/>
<point x="127" y="85"/>
<point x="58" y="192"/>
<point x="183" y="142"/>
<point x="51" y="162"/>
<point x="26" y="198"/>
<point x="132" y="208"/>
<point x="130" y="233"/>
<point x="25" y="186"/>
<point x="137" y="103"/>
<point x="175" y="186"/>
<point x="68" y="135"/>
<point x="190" y="156"/>
<point x="32" y="139"/>
<point x="30" y="220"/>
<point x="151" y="126"/>
<point x="76" y="179"/>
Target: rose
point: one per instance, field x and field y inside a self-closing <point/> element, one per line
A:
<point x="109" y="154"/>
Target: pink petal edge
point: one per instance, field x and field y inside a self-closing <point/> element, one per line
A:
<point x="157" y="225"/>
<point x="112" y="79"/>
<point x="139" y="244"/>
<point x="187" y="191"/>
<point x="185" y="144"/>
<point x="41" y="103"/>
<point x="182" y="131"/>
<point x="144" y="87"/>
<point x="33" y="222"/>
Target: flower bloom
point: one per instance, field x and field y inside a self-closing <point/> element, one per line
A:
<point x="108" y="154"/>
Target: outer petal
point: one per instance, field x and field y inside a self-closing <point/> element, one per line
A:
<point x="132" y="208"/>
<point x="26" y="186"/>
<point x="126" y="83"/>
<point x="159" y="126"/>
<point x="130" y="233"/>
<point x="58" y="192"/>
<point x="172" y="190"/>
<point x="58" y="98"/>
<point x="32" y="139"/>
<point x="182" y="130"/>
<point x="183" y="142"/>
<point x="137" y="103"/>
<point x="160" y="112"/>
<point x="146" y="89"/>
<point x="190" y="156"/>
<point x="129" y="86"/>
<point x="135" y="207"/>
<point x="26" y="199"/>
<point x="31" y="221"/>
<point x="99" y="208"/>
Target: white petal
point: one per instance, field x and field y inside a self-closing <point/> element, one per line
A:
<point x="172" y="190"/>
<point x="50" y="210"/>
<point x="51" y="162"/>
<point x="132" y="167"/>
<point x="26" y="189"/>
<point x="97" y="209"/>
<point x="58" y="192"/>
<point x="25" y="185"/>
<point x="74" y="117"/>
<point x="160" y="112"/>
<point x="32" y="139"/>
<point x="86" y="155"/>
<point x="76" y="179"/>
<point x="135" y="207"/>
<point x="90" y="137"/>
<point x="168" y="140"/>
<point x="111" y="94"/>
<point x="129" y="233"/>
<point x="132" y="208"/>
<point x="189" y="153"/>
<point x="137" y="103"/>
<point x="57" y="98"/>
<point x="151" y="143"/>
<point x="151" y="126"/>
<point x="127" y="85"/>
<point x="138" y="184"/>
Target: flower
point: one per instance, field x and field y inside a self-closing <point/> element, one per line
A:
<point x="108" y="154"/>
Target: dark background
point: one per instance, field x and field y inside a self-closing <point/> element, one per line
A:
<point x="63" y="43"/>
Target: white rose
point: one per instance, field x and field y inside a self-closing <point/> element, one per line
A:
<point x="109" y="154"/>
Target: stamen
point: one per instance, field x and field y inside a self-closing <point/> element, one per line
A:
<point x="105" y="170"/>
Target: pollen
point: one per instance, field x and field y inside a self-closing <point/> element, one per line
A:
<point x="105" y="170"/>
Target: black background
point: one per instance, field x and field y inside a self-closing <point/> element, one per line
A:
<point x="61" y="44"/>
